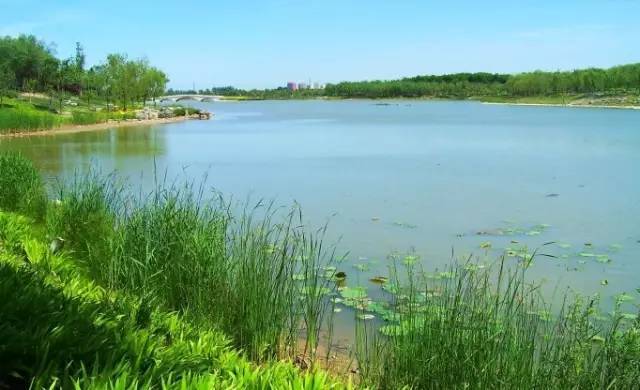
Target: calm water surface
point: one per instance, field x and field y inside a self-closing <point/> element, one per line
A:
<point x="410" y="175"/>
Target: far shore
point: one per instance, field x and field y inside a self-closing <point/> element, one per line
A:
<point x="565" y="105"/>
<point x="70" y="129"/>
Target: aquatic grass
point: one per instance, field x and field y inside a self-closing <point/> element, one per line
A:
<point x="179" y="249"/>
<point x="21" y="188"/>
<point x="490" y="328"/>
<point x="84" y="214"/>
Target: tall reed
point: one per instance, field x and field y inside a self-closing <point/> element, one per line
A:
<point x="179" y="249"/>
<point x="489" y="328"/>
<point x="21" y="188"/>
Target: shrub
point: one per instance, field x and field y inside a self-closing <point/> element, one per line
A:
<point x="21" y="187"/>
<point x="181" y="111"/>
<point x="86" y="118"/>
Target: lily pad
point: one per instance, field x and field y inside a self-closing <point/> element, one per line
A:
<point x="410" y="260"/>
<point x="624" y="297"/>
<point x="629" y="316"/>
<point x="340" y="275"/>
<point x="586" y="254"/>
<point x="615" y="247"/>
<point x="362" y="267"/>
<point x="366" y="316"/>
<point x="353" y="292"/>
<point x="379" y="280"/>
<point x="485" y="245"/>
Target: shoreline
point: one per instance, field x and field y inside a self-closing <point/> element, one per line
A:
<point x="71" y="129"/>
<point x="568" y="105"/>
<point x="440" y="99"/>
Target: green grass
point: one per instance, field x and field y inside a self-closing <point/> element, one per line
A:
<point x="23" y="118"/>
<point x="554" y="99"/>
<point x="60" y="329"/>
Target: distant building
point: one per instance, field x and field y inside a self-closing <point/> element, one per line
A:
<point x="317" y="85"/>
<point x="292" y="86"/>
<point x="303" y="86"/>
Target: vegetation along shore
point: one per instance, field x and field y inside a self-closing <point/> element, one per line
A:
<point x="41" y="92"/>
<point x="618" y="86"/>
<point x="174" y="288"/>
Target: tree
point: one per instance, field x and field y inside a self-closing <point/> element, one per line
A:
<point x="7" y="82"/>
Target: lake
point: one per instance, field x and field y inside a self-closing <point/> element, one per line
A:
<point x="399" y="176"/>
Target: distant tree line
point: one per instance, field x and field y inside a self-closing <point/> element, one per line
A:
<point x="463" y="85"/>
<point x="30" y="65"/>
<point x="275" y="93"/>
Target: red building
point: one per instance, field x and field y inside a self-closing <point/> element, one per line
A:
<point x="292" y="86"/>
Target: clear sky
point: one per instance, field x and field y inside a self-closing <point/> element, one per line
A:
<point x="266" y="43"/>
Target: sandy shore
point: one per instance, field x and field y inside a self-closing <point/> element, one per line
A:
<point x="98" y="126"/>
<point x="565" y="105"/>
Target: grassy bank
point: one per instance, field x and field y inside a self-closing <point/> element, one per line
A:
<point x="600" y="100"/>
<point x="177" y="287"/>
<point x="23" y="115"/>
<point x="60" y="329"/>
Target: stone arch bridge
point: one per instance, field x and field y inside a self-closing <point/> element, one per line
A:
<point x="200" y="98"/>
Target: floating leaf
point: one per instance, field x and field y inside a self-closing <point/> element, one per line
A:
<point x="629" y="316"/>
<point x="337" y="310"/>
<point x="353" y="292"/>
<point x="485" y="245"/>
<point x="533" y="233"/>
<point x="604" y="282"/>
<point x="598" y="339"/>
<point x="363" y="267"/>
<point x="366" y="316"/>
<point x="392" y="288"/>
<point x="410" y="260"/>
<point x="563" y="245"/>
<point x="379" y="280"/>
<point x="586" y="254"/>
<point x="624" y="297"/>
<point x="603" y="259"/>
<point x="340" y="275"/>
<point x="375" y="219"/>
<point x="615" y="247"/>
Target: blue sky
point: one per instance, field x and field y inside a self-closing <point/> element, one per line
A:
<point x="266" y="43"/>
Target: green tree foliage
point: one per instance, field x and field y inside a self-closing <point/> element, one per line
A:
<point x="590" y="80"/>
<point x="464" y="85"/>
<point x="28" y="63"/>
<point x="7" y="81"/>
<point x="27" y="58"/>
